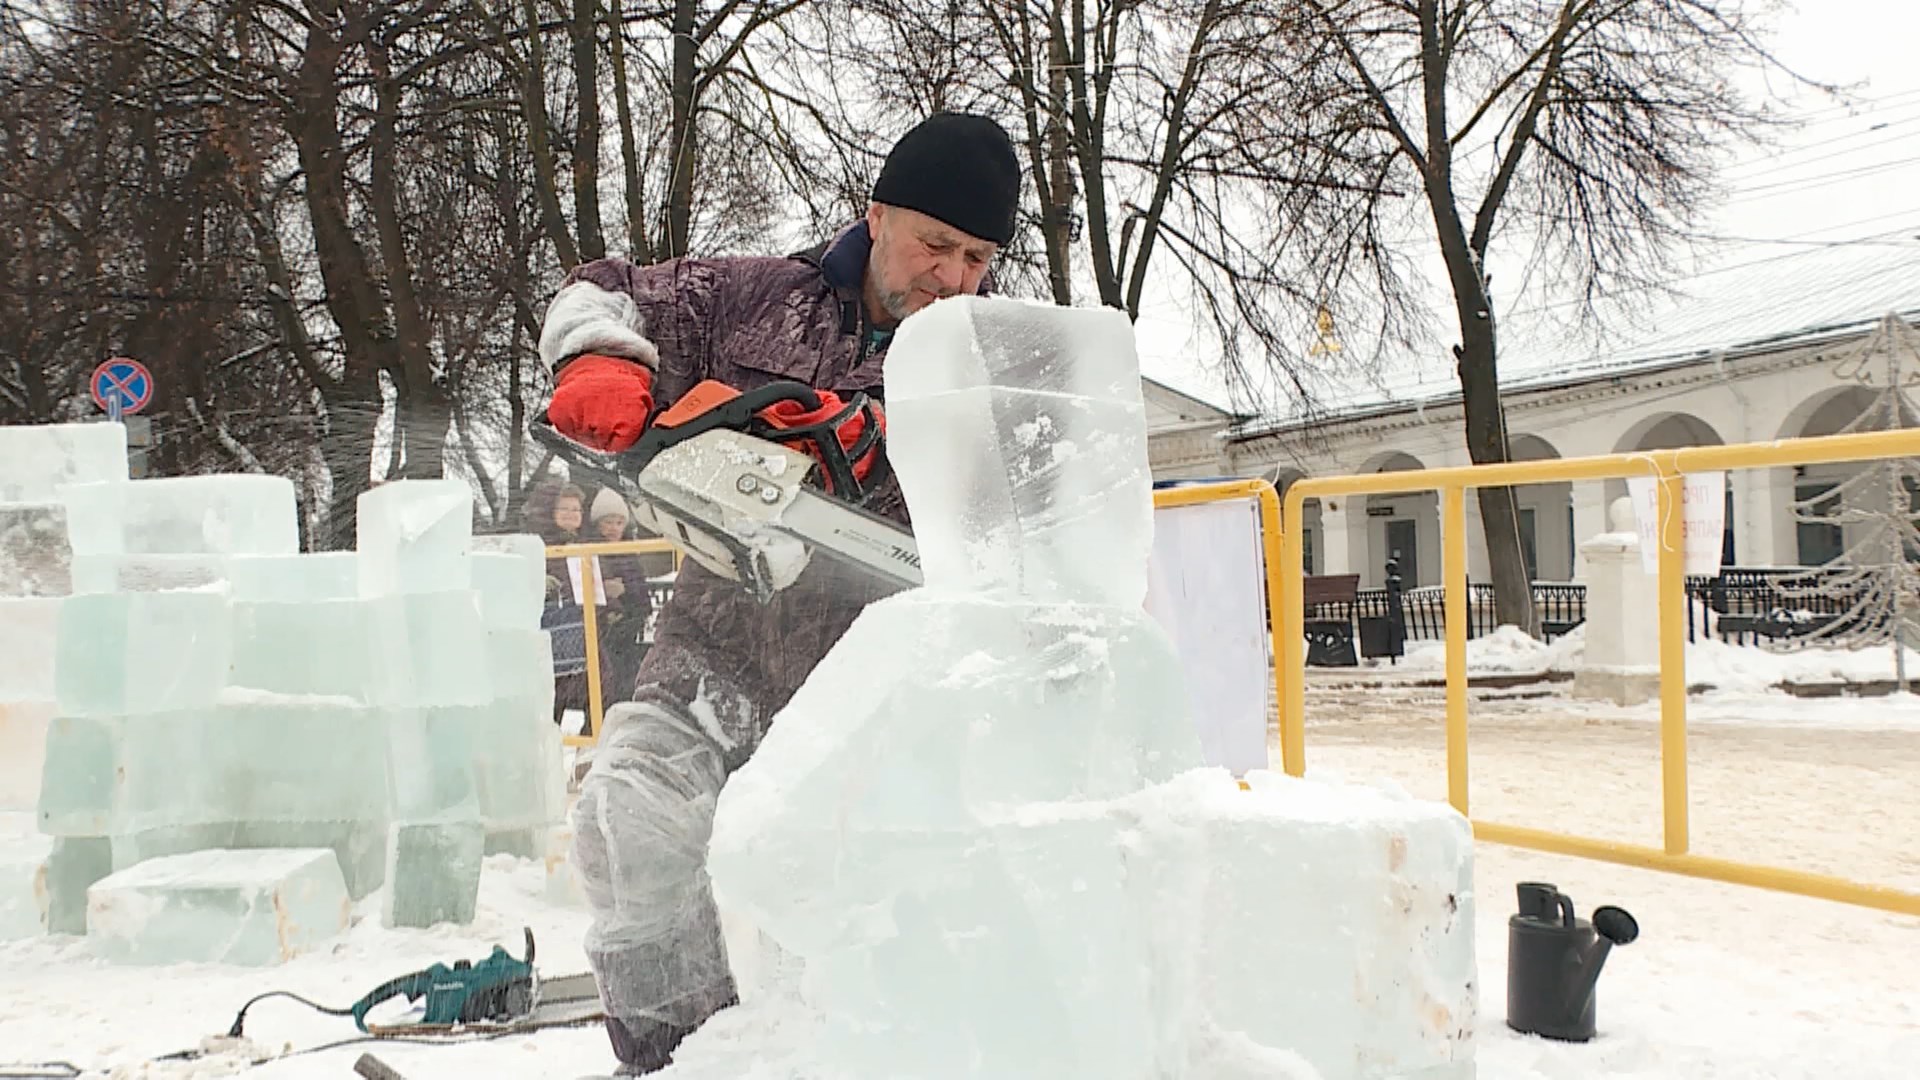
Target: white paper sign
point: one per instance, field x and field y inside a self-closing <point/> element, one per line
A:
<point x="1703" y="520"/>
<point x="1206" y="586"/>
<point x="599" y="582"/>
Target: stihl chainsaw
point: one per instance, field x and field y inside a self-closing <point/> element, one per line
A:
<point x="736" y="494"/>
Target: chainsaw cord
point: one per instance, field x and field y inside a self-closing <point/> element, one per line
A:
<point x="240" y="1018"/>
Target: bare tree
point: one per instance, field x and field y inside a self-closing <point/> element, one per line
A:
<point x="1162" y="140"/>
<point x="1583" y="132"/>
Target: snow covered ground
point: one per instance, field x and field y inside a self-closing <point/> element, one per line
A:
<point x="1725" y="982"/>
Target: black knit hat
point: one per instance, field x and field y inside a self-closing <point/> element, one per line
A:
<point x="958" y="168"/>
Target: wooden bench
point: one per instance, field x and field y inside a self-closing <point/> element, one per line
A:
<point x="1328" y="601"/>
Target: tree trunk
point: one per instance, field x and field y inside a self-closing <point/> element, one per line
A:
<point x="353" y="402"/>
<point x="639" y="248"/>
<point x="422" y="412"/>
<point x="682" y="131"/>
<point x="533" y="102"/>
<point x="1059" y="150"/>
<point x="1486" y="432"/>
<point x="586" y="143"/>
<point x="1477" y="355"/>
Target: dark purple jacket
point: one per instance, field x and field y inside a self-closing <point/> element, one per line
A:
<point x="745" y="322"/>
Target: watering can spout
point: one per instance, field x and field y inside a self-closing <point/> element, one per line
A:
<point x="1611" y="926"/>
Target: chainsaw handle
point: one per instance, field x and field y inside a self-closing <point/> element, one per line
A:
<point x="734" y="414"/>
<point x="412" y="986"/>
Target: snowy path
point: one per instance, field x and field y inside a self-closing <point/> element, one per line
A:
<point x="1725" y="982"/>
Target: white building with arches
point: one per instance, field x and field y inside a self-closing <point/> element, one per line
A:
<point x="1757" y="352"/>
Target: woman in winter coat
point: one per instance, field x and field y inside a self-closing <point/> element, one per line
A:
<point x="623" y="621"/>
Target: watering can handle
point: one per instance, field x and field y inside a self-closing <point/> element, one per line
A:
<point x="1566" y="909"/>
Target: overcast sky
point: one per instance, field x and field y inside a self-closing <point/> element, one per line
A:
<point x="1846" y="173"/>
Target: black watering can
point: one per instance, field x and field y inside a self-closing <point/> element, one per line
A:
<point x="1554" y="960"/>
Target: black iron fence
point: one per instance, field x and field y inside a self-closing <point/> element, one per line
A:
<point x="1779" y="607"/>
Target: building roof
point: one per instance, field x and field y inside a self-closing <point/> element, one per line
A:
<point x="1756" y="301"/>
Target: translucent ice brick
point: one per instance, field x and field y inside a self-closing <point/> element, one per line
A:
<point x="184" y="515"/>
<point x="126" y="653"/>
<point x="35" y="559"/>
<point x="23" y="881"/>
<point x="73" y="865"/>
<point x="1020" y="439"/>
<point x="29" y="627"/>
<point x="37" y="460"/>
<point x="23" y="752"/>
<point x="332" y="575"/>
<point x="430" y="758"/>
<point x="439" y="645"/>
<point x="255" y="908"/>
<point x="414" y="536"/>
<point x="330" y="648"/>
<point x="147" y="573"/>
<point x="1378" y="934"/>
<point x="433" y="873"/>
<point x="512" y="588"/>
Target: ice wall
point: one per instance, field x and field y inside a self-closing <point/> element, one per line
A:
<point x="209" y="687"/>
<point x="976" y="843"/>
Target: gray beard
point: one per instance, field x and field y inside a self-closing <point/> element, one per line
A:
<point x="895" y="304"/>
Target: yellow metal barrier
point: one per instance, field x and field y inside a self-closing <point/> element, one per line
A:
<point x="1260" y="491"/>
<point x="596" y="700"/>
<point x="1667" y="467"/>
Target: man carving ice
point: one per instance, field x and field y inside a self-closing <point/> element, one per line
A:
<point x="626" y="341"/>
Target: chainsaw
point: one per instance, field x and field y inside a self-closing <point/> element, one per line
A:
<point x="733" y="493"/>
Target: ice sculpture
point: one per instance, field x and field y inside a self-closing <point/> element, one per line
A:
<point x="976" y="844"/>
<point x="206" y="687"/>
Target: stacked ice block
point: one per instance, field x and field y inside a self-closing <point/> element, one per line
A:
<point x="212" y="688"/>
<point x="36" y="573"/>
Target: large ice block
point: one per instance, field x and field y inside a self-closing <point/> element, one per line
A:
<point x="439" y="643"/>
<point x="184" y="515"/>
<point x="512" y="588"/>
<point x="35" y="559"/>
<point x="23" y="879"/>
<point x="433" y="873"/>
<point x="331" y="575"/>
<point x="126" y="653"/>
<point x="23" y="752"/>
<point x="331" y="648"/>
<point x="875" y="834"/>
<point x="29" y="627"/>
<point x="256" y="908"/>
<point x="414" y="536"/>
<point x="1020" y="439"/>
<point x="37" y="460"/>
<point x="1377" y="933"/>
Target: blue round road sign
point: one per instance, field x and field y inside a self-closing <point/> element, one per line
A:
<point x="122" y="386"/>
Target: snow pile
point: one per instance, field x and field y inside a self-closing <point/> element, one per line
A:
<point x="1746" y="668"/>
<point x="1507" y="651"/>
<point x="991" y="854"/>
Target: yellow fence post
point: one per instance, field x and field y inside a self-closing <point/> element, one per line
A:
<point x="1673" y="660"/>
<point x="591" y="627"/>
<point x="1453" y="538"/>
<point x="1291" y="618"/>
